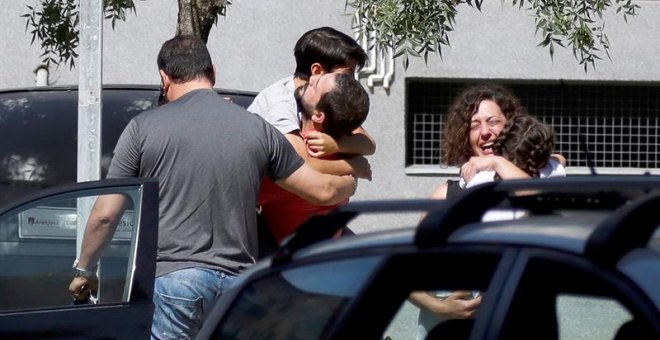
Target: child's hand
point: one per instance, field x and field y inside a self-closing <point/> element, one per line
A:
<point x="320" y="145"/>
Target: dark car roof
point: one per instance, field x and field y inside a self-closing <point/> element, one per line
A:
<point x="602" y="219"/>
<point x="39" y="129"/>
<point x="112" y="87"/>
<point x="243" y="98"/>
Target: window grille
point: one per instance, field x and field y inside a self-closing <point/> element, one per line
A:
<point x="616" y="125"/>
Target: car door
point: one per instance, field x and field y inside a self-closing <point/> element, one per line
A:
<point x="39" y="237"/>
<point x="551" y="295"/>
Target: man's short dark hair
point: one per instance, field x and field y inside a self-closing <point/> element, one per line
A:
<point x="328" y="47"/>
<point x="185" y="58"/>
<point x="345" y="107"/>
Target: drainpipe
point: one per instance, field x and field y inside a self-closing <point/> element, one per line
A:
<point x="379" y="60"/>
<point x="41" y="75"/>
<point x="364" y="42"/>
<point x="387" y="80"/>
<point x="381" y="73"/>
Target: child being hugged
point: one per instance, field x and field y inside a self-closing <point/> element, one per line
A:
<point x="527" y="143"/>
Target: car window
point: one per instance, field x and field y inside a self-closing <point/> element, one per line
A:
<point x="298" y="303"/>
<point x="445" y="277"/>
<point x="561" y="297"/>
<point x="38" y="243"/>
<point x="589" y="317"/>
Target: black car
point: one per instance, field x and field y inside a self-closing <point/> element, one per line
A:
<point x="42" y="214"/>
<point x="570" y="258"/>
<point x="39" y="129"/>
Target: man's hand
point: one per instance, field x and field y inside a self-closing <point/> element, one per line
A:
<point x="82" y="287"/>
<point x="320" y="144"/>
<point x="361" y="167"/>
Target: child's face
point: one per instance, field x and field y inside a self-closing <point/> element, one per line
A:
<point x="485" y="125"/>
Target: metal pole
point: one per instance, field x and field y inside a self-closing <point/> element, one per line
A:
<point x="90" y="67"/>
<point x="89" y="90"/>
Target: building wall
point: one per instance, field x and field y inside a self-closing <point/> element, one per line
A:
<point x="253" y="47"/>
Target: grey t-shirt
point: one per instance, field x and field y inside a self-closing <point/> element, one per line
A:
<point x="278" y="106"/>
<point x="210" y="157"/>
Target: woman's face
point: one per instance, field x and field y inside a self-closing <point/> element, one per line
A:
<point x="485" y="125"/>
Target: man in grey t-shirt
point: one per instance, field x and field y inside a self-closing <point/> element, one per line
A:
<point x="209" y="156"/>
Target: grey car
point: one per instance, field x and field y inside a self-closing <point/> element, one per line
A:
<point x="572" y="258"/>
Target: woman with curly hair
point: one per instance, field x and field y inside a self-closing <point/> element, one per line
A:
<point x="528" y="144"/>
<point x="476" y="118"/>
<point x="488" y="131"/>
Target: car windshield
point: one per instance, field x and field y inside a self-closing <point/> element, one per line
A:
<point x="40" y="129"/>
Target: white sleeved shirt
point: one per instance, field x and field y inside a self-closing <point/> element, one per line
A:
<point x="552" y="169"/>
<point x="278" y="106"/>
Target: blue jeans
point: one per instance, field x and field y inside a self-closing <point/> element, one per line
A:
<point x="183" y="298"/>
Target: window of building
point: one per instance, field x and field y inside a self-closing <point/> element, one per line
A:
<point x="613" y="126"/>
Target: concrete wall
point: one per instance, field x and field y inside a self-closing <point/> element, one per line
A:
<point x="253" y="45"/>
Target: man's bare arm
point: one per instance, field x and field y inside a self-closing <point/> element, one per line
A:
<point x="359" y="142"/>
<point x="101" y="226"/>
<point x="357" y="166"/>
<point x="318" y="188"/>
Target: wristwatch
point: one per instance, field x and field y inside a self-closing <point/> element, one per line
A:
<point x="82" y="272"/>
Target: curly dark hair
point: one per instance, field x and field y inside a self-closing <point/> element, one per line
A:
<point x="526" y="142"/>
<point x="456" y="136"/>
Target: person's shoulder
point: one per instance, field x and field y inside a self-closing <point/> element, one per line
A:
<point x="150" y="113"/>
<point x="452" y="189"/>
<point x="280" y="88"/>
<point x="278" y="106"/>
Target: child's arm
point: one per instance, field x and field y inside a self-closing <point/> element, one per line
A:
<point x="357" y="166"/>
<point x="359" y="142"/>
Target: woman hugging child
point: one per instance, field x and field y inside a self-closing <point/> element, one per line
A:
<point x="527" y="143"/>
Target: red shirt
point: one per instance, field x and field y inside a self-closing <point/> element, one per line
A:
<point x="284" y="212"/>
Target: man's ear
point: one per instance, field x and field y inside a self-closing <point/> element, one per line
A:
<point x="165" y="79"/>
<point x="318" y="117"/>
<point x="215" y="74"/>
<point x="317" y="68"/>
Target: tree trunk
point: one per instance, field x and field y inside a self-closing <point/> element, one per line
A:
<point x="196" y="17"/>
